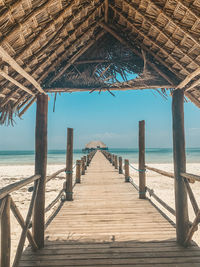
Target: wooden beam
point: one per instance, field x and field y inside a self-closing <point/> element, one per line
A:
<point x="141" y="163"/>
<point x="194" y="84"/>
<point x="189" y="9"/>
<point x="154" y="42"/>
<point x="54" y="21"/>
<point x="169" y="18"/>
<point x="6" y="234"/>
<point x="106" y="11"/>
<point x="15" y="82"/>
<point x="27" y="106"/>
<point x="67" y="90"/>
<point x="119" y="38"/>
<point x="65" y="53"/>
<point x="161" y="31"/>
<point x="7" y="58"/>
<point x="69" y="165"/>
<point x="182" y="220"/>
<point x="188" y="79"/>
<point x="77" y="55"/>
<point x="192" y="229"/>
<point x="40" y="168"/>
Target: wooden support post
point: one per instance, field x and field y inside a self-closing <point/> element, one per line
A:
<point x="126" y="167"/>
<point x="182" y="220"/>
<point x="78" y="171"/>
<point x="40" y="168"/>
<point x="5" y="234"/>
<point x="69" y="165"/>
<point x="88" y="160"/>
<point x="116" y="162"/>
<point x="85" y="160"/>
<point x="120" y="165"/>
<point x="82" y="166"/>
<point x="113" y="160"/>
<point x="142" y="174"/>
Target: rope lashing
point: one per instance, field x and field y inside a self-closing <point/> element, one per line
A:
<point x="137" y="169"/>
<point x="68" y="172"/>
<point x="141" y="193"/>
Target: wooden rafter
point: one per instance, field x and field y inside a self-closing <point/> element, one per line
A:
<point x="57" y="90"/>
<point x="188" y="9"/>
<point x="15" y="82"/>
<point x="48" y="26"/>
<point x="188" y="78"/>
<point x="65" y="53"/>
<point x="169" y="18"/>
<point x="161" y="31"/>
<point x="77" y="55"/>
<point x="154" y="42"/>
<point x="53" y="64"/>
<point x="106" y="11"/>
<point x="194" y="84"/>
<point x="8" y="59"/>
<point x="121" y="40"/>
<point x="18" y="26"/>
<point x="32" y="101"/>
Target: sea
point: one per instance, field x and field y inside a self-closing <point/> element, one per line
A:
<point x="152" y="155"/>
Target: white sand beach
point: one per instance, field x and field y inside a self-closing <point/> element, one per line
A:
<point x="163" y="187"/>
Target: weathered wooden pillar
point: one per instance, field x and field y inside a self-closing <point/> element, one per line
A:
<point x="116" y="162"/>
<point x="40" y="168"/>
<point x="182" y="220"/>
<point x="88" y="160"/>
<point x="120" y="165"/>
<point x="78" y="171"/>
<point x="69" y="165"/>
<point x="82" y="166"/>
<point x="142" y="174"/>
<point x="85" y="159"/>
<point x="113" y="160"/>
<point x="5" y="234"/>
<point x="126" y="168"/>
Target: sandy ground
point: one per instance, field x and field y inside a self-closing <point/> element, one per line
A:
<point x="162" y="186"/>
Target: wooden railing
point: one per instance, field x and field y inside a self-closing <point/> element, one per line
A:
<point x="7" y="203"/>
<point x="143" y="188"/>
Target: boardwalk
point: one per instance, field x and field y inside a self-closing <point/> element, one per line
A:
<point x="107" y="225"/>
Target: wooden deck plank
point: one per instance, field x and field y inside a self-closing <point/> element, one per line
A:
<point x="108" y="225"/>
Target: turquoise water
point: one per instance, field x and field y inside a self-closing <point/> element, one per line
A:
<point x="153" y="155"/>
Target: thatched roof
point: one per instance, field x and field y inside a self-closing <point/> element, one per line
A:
<point x="87" y="45"/>
<point x="95" y="144"/>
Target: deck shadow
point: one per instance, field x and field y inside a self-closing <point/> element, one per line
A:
<point x="124" y="253"/>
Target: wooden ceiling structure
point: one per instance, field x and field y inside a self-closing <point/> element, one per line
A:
<point x="86" y="45"/>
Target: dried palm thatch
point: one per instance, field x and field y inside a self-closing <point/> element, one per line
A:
<point x="86" y="45"/>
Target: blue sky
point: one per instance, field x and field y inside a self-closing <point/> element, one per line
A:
<point x="113" y="120"/>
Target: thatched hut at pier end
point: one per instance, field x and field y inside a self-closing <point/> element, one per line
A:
<point x="93" y="145"/>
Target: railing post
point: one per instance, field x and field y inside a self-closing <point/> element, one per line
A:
<point x="116" y="162"/>
<point x="78" y="171"/>
<point x="82" y="166"/>
<point x="182" y="220"/>
<point x="69" y="165"/>
<point x="88" y="160"/>
<point x="120" y="165"/>
<point x="40" y="168"/>
<point x="113" y="160"/>
<point x="5" y="234"/>
<point x="142" y="174"/>
<point x="85" y="160"/>
<point x="126" y="167"/>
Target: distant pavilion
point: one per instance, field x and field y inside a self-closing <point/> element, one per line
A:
<point x="94" y="145"/>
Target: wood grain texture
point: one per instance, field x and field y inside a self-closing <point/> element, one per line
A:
<point x="108" y="225"/>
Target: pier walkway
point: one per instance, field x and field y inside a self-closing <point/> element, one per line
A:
<point x="107" y="225"/>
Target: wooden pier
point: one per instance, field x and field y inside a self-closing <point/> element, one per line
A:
<point x="108" y="225"/>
